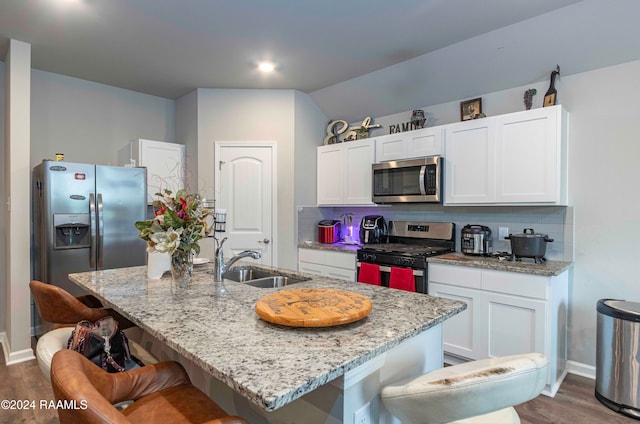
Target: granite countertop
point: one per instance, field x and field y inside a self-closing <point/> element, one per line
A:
<point x="340" y="247"/>
<point x="547" y="268"/>
<point x="215" y="325"/>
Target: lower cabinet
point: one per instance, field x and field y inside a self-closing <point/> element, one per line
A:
<point x="507" y="313"/>
<point x="327" y="263"/>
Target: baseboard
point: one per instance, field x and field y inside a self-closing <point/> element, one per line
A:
<point x="11" y="358"/>
<point x="583" y="370"/>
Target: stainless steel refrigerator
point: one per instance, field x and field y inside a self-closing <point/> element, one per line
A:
<point x="84" y="218"/>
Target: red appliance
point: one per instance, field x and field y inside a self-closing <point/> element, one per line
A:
<point x="329" y="231"/>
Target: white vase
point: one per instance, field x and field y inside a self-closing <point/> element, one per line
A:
<point x="157" y="264"/>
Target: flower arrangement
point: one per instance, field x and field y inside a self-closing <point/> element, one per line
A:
<point x="179" y="222"/>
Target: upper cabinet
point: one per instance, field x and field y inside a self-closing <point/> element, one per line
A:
<point x="470" y="162"/>
<point x="344" y="173"/>
<point x="517" y="158"/>
<point x="165" y="163"/>
<point x="410" y="144"/>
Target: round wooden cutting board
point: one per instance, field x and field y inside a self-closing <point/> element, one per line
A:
<point x="313" y="307"/>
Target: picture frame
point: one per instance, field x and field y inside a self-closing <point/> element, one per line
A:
<point x="470" y="109"/>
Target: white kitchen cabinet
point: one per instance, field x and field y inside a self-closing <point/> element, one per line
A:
<point x="326" y="263"/>
<point x="344" y="173"/>
<point x="470" y="162"/>
<point x="507" y="313"/>
<point x="531" y="156"/>
<point x="165" y="163"/>
<point x="514" y="324"/>
<point x="517" y="158"/>
<point x="461" y="335"/>
<point x="409" y="144"/>
<point x="330" y="174"/>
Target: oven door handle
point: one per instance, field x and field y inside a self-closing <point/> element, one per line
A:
<point x="416" y="272"/>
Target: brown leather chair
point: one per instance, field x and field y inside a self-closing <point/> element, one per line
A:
<point x="60" y="308"/>
<point x="162" y="393"/>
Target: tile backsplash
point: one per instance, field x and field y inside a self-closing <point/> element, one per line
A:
<point x="556" y="221"/>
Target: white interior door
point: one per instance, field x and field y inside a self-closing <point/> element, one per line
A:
<point x="244" y="179"/>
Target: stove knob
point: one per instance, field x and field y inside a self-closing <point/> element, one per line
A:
<point x="369" y="257"/>
<point x="408" y="262"/>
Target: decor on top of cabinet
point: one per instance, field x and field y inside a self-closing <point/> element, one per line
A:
<point x="336" y="128"/>
<point x="550" y="97"/>
<point x="528" y="97"/>
<point x="471" y="109"/>
<point x="419" y="119"/>
<point x="179" y="222"/>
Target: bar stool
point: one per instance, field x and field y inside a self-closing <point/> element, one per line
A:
<point x="64" y="311"/>
<point x="161" y="393"/>
<point x="483" y="391"/>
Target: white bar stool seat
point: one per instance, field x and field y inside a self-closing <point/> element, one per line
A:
<point x="483" y="391"/>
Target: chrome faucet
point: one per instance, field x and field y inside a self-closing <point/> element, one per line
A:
<point x="221" y="267"/>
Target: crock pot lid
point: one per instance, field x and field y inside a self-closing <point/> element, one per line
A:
<point x="535" y="235"/>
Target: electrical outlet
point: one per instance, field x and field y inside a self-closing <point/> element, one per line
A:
<point x="363" y="415"/>
<point x="503" y="232"/>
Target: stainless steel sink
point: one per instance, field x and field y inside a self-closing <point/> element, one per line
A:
<point x="260" y="278"/>
<point x="242" y="274"/>
<point x="272" y="282"/>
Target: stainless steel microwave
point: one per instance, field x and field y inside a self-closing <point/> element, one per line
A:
<point x="405" y="181"/>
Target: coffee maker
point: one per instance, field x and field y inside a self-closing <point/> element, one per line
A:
<point x="373" y="229"/>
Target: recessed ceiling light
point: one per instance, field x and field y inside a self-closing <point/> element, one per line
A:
<point x="266" y="67"/>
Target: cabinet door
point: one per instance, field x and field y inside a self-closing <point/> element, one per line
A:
<point x="359" y="156"/>
<point x="310" y="268"/>
<point x="423" y="142"/>
<point x="470" y="162"/>
<point x="390" y="147"/>
<point x="462" y="333"/>
<point x="340" y="273"/>
<point x="165" y="166"/>
<point x="330" y="174"/>
<point x="528" y="156"/>
<point x="513" y="324"/>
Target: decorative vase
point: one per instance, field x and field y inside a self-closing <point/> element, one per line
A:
<point x="181" y="267"/>
<point x="157" y="264"/>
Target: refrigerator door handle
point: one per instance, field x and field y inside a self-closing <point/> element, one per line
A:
<point x="100" y="231"/>
<point x="92" y="222"/>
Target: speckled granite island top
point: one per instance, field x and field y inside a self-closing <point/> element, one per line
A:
<point x="215" y="325"/>
<point x="548" y="268"/>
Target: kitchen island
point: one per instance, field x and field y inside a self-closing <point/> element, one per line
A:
<point x="271" y="373"/>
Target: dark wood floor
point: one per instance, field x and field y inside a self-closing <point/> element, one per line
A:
<point x="574" y="402"/>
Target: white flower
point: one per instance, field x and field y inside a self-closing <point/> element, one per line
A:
<point x="165" y="241"/>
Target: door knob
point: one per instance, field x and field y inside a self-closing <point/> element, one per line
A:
<point x="265" y="241"/>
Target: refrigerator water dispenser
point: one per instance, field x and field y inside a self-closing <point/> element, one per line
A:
<point x="72" y="231"/>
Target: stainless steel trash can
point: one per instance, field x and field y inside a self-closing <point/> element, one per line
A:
<point x="618" y="355"/>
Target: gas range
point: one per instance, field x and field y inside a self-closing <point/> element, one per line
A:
<point x="410" y="244"/>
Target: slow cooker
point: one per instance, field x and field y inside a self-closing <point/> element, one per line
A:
<point x="476" y="240"/>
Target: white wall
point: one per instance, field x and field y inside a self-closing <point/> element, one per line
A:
<point x="244" y="116"/>
<point x="90" y="122"/>
<point x="16" y="341"/>
<point x="187" y="134"/>
<point x="3" y="234"/>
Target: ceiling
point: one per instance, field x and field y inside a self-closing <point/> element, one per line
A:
<point x="168" y="48"/>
